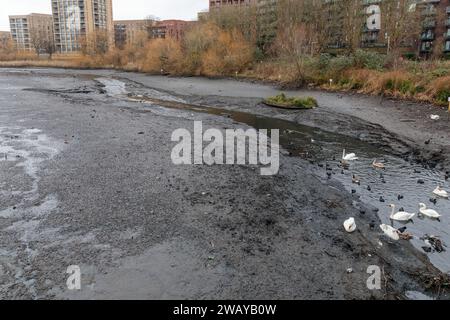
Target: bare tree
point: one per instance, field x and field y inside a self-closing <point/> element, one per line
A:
<point x="243" y="18"/>
<point x="440" y="38"/>
<point x="43" y="43"/>
<point x="305" y="15"/>
<point x="401" y="25"/>
<point x="6" y="46"/>
<point x="101" y="42"/>
<point x="95" y="43"/>
<point x="352" y="23"/>
<point x="294" y="44"/>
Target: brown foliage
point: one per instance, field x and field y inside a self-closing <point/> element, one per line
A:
<point x="163" y="55"/>
<point x="229" y="54"/>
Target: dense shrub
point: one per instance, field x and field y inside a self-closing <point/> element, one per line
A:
<point x="229" y="54"/>
<point x="369" y="60"/>
<point x="163" y="56"/>
<point x="338" y="65"/>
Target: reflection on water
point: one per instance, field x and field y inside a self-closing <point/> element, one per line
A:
<point x="400" y="178"/>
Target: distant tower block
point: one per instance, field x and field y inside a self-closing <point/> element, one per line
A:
<point x="78" y="20"/>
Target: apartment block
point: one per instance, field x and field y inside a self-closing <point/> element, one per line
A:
<point x="435" y="37"/>
<point x="215" y="4"/>
<point x="77" y="20"/>
<point x="174" y="29"/>
<point x="26" y="30"/>
<point x="433" y="15"/>
<point x="130" y="31"/>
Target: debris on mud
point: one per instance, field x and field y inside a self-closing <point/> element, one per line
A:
<point x="433" y="244"/>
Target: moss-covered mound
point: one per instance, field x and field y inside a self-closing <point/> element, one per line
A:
<point x="281" y="101"/>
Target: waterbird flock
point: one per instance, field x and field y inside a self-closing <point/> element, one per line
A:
<point x="432" y="242"/>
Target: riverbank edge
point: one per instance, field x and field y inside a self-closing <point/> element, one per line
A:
<point x="52" y="64"/>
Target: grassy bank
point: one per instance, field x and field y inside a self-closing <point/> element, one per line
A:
<point x="363" y="72"/>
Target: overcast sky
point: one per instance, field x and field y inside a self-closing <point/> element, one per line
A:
<point x="123" y="9"/>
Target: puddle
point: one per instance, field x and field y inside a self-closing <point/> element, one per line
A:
<point x="113" y="87"/>
<point x="400" y="176"/>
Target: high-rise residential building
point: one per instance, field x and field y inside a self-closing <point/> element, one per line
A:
<point x="28" y="30"/>
<point x="130" y="31"/>
<point x="76" y="21"/>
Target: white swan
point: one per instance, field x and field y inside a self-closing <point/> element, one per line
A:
<point x="350" y="225"/>
<point x="440" y="192"/>
<point x="430" y="213"/>
<point x="400" y="216"/>
<point x="391" y="232"/>
<point x="348" y="157"/>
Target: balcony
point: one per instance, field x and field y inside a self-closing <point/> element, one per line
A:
<point x="447" y="47"/>
<point x="429" y="24"/>
<point x="427" y="36"/>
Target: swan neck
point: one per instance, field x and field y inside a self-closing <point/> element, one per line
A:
<point x="393" y="211"/>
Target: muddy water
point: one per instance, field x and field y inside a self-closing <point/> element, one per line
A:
<point x="324" y="150"/>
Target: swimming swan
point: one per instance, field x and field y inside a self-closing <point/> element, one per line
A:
<point x="440" y="192"/>
<point x="348" y="157"/>
<point x="400" y="216"/>
<point x="430" y="213"/>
